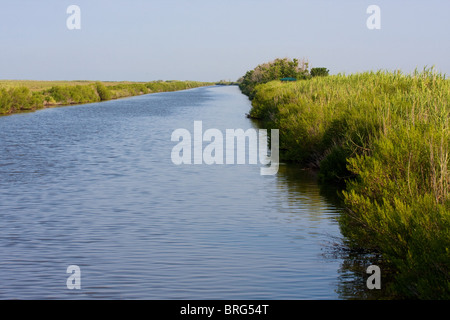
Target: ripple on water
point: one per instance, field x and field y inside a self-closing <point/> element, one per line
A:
<point x="93" y="185"/>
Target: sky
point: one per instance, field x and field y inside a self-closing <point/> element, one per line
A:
<point x="211" y="40"/>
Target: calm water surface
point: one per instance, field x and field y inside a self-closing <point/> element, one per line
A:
<point x="94" y="186"/>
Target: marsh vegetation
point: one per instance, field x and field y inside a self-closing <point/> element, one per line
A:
<point x="385" y="137"/>
<point x="19" y="96"/>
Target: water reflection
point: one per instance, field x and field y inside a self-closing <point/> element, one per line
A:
<point x="323" y="201"/>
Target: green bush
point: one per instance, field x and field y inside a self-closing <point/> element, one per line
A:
<point x="273" y="70"/>
<point x="5" y="101"/>
<point x="401" y="203"/>
<point x="72" y="94"/>
<point x="102" y="91"/>
<point x="319" y="72"/>
<point x="19" y="99"/>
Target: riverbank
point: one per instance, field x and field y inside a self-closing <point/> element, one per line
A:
<point x="24" y="96"/>
<point x="386" y="137"/>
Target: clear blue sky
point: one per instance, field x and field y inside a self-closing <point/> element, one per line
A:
<point x="209" y="40"/>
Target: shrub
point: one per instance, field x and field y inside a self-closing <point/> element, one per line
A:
<point x="319" y="72"/>
<point x="102" y="91"/>
<point x="274" y="70"/>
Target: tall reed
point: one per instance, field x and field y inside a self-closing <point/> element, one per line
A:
<point x="386" y="136"/>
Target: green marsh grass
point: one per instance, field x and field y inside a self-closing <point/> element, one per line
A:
<point x="27" y="95"/>
<point x="386" y="136"/>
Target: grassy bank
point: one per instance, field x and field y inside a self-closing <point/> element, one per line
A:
<point x="386" y="136"/>
<point x="19" y="96"/>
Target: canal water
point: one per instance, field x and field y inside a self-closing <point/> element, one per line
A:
<point x="94" y="186"/>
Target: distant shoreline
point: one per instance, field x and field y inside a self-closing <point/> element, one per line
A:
<point x="21" y="96"/>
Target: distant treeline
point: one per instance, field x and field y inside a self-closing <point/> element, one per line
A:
<point x="386" y="135"/>
<point x="276" y="70"/>
<point x="17" y="99"/>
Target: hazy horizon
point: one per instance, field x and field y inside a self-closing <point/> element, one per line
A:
<point x="213" y="40"/>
